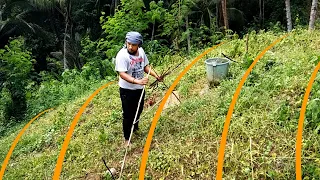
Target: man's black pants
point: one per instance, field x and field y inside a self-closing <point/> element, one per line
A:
<point x="130" y="100"/>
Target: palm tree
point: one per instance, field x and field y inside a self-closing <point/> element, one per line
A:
<point x="71" y="39"/>
<point x="289" y="22"/>
<point x="205" y="8"/>
<point x="313" y="14"/>
<point x="64" y="7"/>
<point x="15" y="23"/>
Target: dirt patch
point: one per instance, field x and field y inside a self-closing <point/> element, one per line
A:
<point x="89" y="108"/>
<point x="204" y="90"/>
<point x="156" y="98"/>
<point x="150" y="101"/>
<point x="93" y="176"/>
<point x="201" y="87"/>
<point x="172" y="100"/>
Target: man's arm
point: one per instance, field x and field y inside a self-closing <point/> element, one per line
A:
<point x="133" y="80"/>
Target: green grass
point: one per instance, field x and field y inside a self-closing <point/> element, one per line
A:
<point x="187" y="137"/>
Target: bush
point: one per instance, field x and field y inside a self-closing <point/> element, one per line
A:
<point x="15" y="68"/>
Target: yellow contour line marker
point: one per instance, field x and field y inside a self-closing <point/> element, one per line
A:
<point x="232" y="105"/>
<point x="160" y="108"/>
<point x="67" y="139"/>
<point x="300" y="124"/>
<point x="15" y="142"/>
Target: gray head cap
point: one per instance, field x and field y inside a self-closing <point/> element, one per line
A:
<point x="134" y="38"/>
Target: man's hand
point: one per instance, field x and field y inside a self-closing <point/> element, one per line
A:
<point x="130" y="79"/>
<point x="159" y="78"/>
<point x="142" y="81"/>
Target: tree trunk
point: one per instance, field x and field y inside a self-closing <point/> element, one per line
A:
<point x="115" y="6"/>
<point x="202" y="21"/>
<point x="154" y="22"/>
<point x="178" y="25"/>
<point x="188" y="35"/>
<point x="288" y="10"/>
<point x="247" y="44"/>
<point x="0" y="14"/>
<point x="65" y="65"/>
<point x="260" y="13"/>
<point x="225" y="14"/>
<point x="210" y="21"/>
<point x="179" y="9"/>
<point x="313" y="14"/>
<point x="2" y="10"/>
<point x="111" y="8"/>
<point x="217" y="13"/>
<point x="70" y="19"/>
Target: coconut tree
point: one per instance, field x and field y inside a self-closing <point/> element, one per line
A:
<point x="13" y="20"/>
<point x="313" y="14"/>
<point x="64" y="7"/>
<point x="225" y="14"/>
<point x="288" y="13"/>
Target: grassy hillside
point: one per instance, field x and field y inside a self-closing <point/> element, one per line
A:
<point x="186" y="141"/>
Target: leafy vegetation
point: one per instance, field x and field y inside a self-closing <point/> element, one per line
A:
<point x="186" y="141"/>
<point x="15" y="67"/>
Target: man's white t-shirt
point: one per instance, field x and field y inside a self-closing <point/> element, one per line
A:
<point x="132" y="65"/>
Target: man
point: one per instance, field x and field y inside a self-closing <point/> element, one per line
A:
<point x="131" y="63"/>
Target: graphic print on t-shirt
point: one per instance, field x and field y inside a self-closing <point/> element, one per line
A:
<point x="137" y="67"/>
